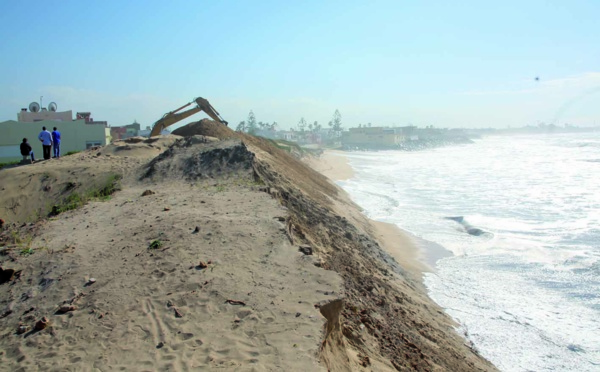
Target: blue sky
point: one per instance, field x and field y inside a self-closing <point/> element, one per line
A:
<point x="384" y="62"/>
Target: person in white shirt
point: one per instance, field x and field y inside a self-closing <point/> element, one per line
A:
<point x="45" y="138"/>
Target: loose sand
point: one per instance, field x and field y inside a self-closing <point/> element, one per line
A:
<point x="206" y="270"/>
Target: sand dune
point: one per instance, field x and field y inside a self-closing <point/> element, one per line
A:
<point x="208" y="270"/>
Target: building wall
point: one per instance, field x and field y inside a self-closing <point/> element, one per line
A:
<point x="30" y="117"/>
<point x="118" y="133"/>
<point x="75" y="136"/>
<point x="376" y="136"/>
<point x="107" y="136"/>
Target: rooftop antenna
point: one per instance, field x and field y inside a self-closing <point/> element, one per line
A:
<point x="34" y="107"/>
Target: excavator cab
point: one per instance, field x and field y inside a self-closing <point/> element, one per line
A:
<point x="175" y="116"/>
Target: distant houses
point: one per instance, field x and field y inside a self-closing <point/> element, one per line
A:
<point x="132" y="130"/>
<point x="407" y="138"/>
<point x="372" y="137"/>
<point x="125" y="131"/>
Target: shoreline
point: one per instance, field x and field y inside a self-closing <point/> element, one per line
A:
<point x="414" y="254"/>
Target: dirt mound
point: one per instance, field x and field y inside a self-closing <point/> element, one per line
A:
<point x="139" y="147"/>
<point x="33" y="192"/>
<point x="194" y="158"/>
<point x="206" y="127"/>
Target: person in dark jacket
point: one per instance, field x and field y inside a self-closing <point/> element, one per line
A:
<point x="26" y="149"/>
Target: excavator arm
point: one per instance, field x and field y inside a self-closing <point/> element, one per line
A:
<point x="175" y="116"/>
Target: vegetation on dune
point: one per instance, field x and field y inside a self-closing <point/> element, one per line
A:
<point x="76" y="200"/>
<point x="156" y="244"/>
<point x="286" y="146"/>
<point x="17" y="162"/>
<point x="8" y="164"/>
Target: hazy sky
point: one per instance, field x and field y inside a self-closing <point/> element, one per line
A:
<point x="384" y="62"/>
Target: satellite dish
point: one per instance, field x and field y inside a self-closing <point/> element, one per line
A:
<point x="34" y="107"/>
<point x="52" y="107"/>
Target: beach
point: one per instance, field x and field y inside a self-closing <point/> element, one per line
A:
<point x="516" y="220"/>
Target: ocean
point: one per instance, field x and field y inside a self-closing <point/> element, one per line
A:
<point x="526" y="290"/>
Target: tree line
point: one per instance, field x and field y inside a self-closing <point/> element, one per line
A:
<point x="251" y="126"/>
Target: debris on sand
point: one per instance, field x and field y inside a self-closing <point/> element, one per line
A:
<point x="178" y="313"/>
<point x="6" y="275"/>
<point x="306" y="249"/>
<point x="75" y="298"/>
<point x="235" y="302"/>
<point x="148" y="192"/>
<point x="65" y="309"/>
<point x="22" y="329"/>
<point x="42" y="324"/>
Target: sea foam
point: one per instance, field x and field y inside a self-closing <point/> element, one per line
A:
<point x="526" y="295"/>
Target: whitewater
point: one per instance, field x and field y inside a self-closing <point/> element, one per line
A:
<point x="526" y="294"/>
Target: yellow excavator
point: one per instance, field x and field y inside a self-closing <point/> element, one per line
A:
<point x="173" y="117"/>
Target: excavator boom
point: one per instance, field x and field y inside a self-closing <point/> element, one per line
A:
<point x="175" y="116"/>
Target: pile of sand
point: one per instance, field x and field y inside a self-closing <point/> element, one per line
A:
<point x="186" y="160"/>
<point x="206" y="127"/>
<point x="140" y="146"/>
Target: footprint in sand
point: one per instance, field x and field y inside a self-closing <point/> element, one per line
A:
<point x="186" y="336"/>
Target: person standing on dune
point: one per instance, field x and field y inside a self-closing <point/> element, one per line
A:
<point x="56" y="142"/>
<point x="46" y="139"/>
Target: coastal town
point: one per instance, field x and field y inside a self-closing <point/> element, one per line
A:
<point x="82" y="131"/>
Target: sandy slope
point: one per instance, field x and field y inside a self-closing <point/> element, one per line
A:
<point x="334" y="165"/>
<point x="349" y="306"/>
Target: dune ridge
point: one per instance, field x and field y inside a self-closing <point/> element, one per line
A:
<point x="219" y="251"/>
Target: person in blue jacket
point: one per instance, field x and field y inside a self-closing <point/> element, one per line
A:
<point x="46" y="139"/>
<point x="56" y="142"/>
